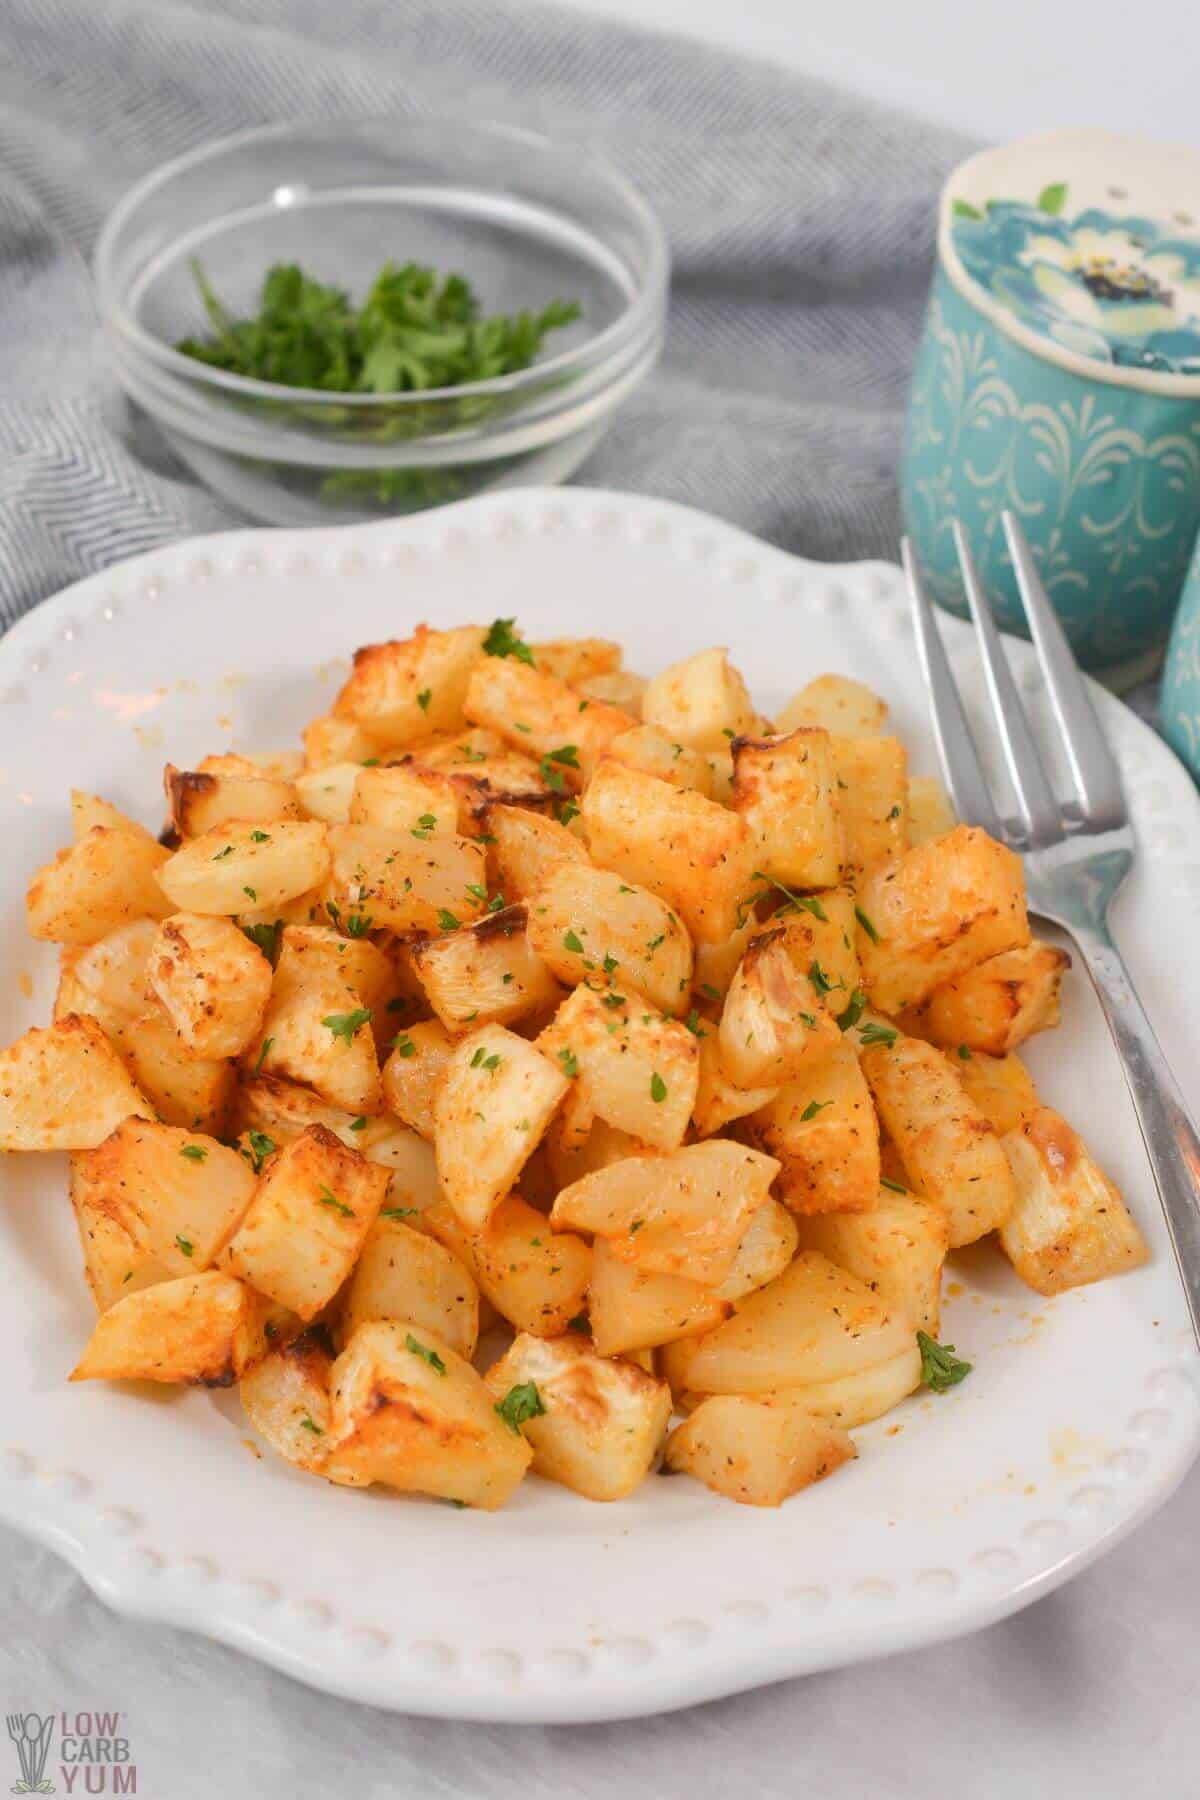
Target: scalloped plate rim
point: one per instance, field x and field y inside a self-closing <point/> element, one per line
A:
<point x="110" y="1568"/>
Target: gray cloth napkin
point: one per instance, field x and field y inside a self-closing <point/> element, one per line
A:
<point x="800" y="223"/>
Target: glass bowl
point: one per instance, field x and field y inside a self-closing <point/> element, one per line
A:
<point x="526" y="221"/>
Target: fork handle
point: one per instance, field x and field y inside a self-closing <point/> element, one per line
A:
<point x="1172" y="1141"/>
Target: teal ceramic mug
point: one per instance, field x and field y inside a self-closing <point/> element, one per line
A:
<point x="1059" y="378"/>
<point x="1179" y="705"/>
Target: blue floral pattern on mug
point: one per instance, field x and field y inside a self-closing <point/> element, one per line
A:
<point x="1105" y="480"/>
<point x="1118" y="289"/>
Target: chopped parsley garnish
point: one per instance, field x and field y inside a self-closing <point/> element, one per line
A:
<point x="266" y="938"/>
<point x="358" y="924"/>
<point x="521" y="1402"/>
<point x="895" y="813"/>
<point x="709" y="991"/>
<point x="897" y="1187"/>
<point x="571" y="942"/>
<point x="423" y="699"/>
<point x="866" y="924"/>
<point x="222" y="854"/>
<point x="344" y="1025"/>
<point x="404" y="1045"/>
<point x="658" y="1087"/>
<point x="808" y="902"/>
<point x="964" y="1050"/>
<point x="185" y="1245"/>
<point x="872" y="1033"/>
<point x="820" y="979"/>
<point x="570" y="1063"/>
<point x="568" y="756"/>
<point x="854" y="1011"/>
<point x="264" y="1052"/>
<point x="308" y="1423"/>
<point x="260" y="837"/>
<point x="261" y="1147"/>
<point x="447" y="920"/>
<point x="613" y="1000"/>
<point x="415" y="329"/>
<point x="326" y="1198"/>
<point x="940" y="1368"/>
<point x="610" y="965"/>
<point x="359" y="1124"/>
<point x="251" y="894"/>
<point x="398" y="1212"/>
<point x="652" y="946"/>
<point x="481" y="1061"/>
<point x="636" y="1227"/>
<point x="502" y="640"/>
<point x="425" y="1353"/>
<point x="567" y="812"/>
<point x="812" y="1109"/>
<point x="193" y="1152"/>
<point x="693" y="1024"/>
<point x="477" y="892"/>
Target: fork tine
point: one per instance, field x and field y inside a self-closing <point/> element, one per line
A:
<point x="1041" y="816"/>
<point x="956" y="747"/>
<point x="1094" y="772"/>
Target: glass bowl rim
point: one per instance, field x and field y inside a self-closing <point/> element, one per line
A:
<point x="638" y="317"/>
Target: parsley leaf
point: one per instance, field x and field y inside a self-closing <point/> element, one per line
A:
<point x="415" y="329"/>
<point x="425" y="1353"/>
<point x="261" y="1147"/>
<point x="571" y="942"/>
<point x="502" y="640"/>
<point x="404" y="1045"/>
<point x="897" y="1187"/>
<point x="570" y="1063"/>
<point x="260" y="837"/>
<point x="658" y="1087"/>
<point x="812" y="1109"/>
<point x="447" y="920"/>
<point x="264" y="1052"/>
<point x="866" y="924"/>
<point x="193" y="1152"/>
<point x="423" y="699"/>
<point x="808" y="902"/>
<point x="187" y="1247"/>
<point x="358" y="924"/>
<point x="266" y="938"/>
<point x="820" y="979"/>
<point x="344" y="1025"/>
<point x="876" y="1034"/>
<point x="940" y="1368"/>
<point x="308" y="1423"/>
<point x="521" y="1402"/>
<point x="326" y="1198"/>
<point x="854" y="1011"/>
<point x="398" y="1212"/>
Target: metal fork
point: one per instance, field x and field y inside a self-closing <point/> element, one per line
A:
<point x="1076" y="855"/>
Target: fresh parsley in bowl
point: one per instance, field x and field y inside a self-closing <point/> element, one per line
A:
<point x="247" y="312"/>
<point x="415" y="330"/>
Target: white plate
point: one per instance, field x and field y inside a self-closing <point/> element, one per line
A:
<point x="1080" y="1417"/>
